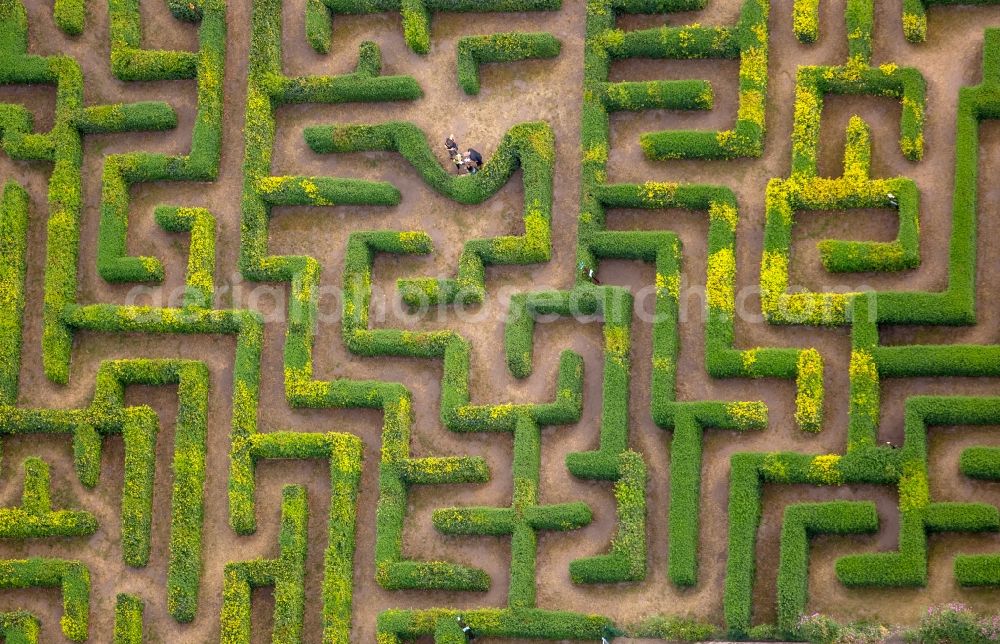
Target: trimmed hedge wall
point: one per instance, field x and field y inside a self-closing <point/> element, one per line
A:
<point x="107" y="415"/>
<point x="417" y="14"/>
<point x="802" y="521"/>
<point x="805" y="191"/>
<point x="748" y="42"/>
<point x="612" y="461"/>
<point x="121" y="171"/>
<point x="128" y="619"/>
<point x="13" y="247"/>
<point x="528" y="145"/>
<point x="286" y="574"/>
<point x="35" y="517"/>
<point x="395" y="626"/>
<point x="508" y="47"/>
<point x="71" y="577"/>
<point x="268" y="88"/>
<point x="20" y="627"/>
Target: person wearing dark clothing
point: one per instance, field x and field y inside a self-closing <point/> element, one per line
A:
<point x="466" y="629"/>
<point x="450" y="145"/>
<point x="473" y="161"/>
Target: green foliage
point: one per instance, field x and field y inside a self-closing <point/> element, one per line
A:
<point x="417" y="14"/>
<point x="508" y="47"/>
<point x="286" y="574"/>
<point x="13" y="243"/>
<point x="19" y="627"/>
<point x="748" y="42"/>
<point x="494" y="623"/>
<point x="667" y="94"/>
<point x="128" y="619"/>
<point x="627" y="559"/>
<point x="669" y="627"/>
<point x="71" y="577"/>
<point x="319" y="31"/>
<point x="35" y="517"/>
<point x="529" y="146"/>
<point x="981" y="463"/>
<point x="802" y="521"/>
<point x="121" y="171"/>
<point x="70" y="16"/>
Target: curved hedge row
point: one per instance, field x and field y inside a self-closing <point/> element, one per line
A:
<point x="529" y="146"/>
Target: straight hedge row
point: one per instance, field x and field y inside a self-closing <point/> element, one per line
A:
<point x="417" y="14"/>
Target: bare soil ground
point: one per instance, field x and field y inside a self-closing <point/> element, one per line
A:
<point x="552" y="91"/>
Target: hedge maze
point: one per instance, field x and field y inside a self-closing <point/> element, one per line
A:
<point x="526" y="157"/>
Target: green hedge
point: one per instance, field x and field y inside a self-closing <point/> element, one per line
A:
<point x="20" y="627"/>
<point x="748" y="42"/>
<point x="128" y="619"/>
<point x="507" y="47"/>
<point x="800" y="522"/>
<point x="107" y="415"/>
<point x="121" y="171"/>
<point x="286" y="574"/>
<point x="417" y="14"/>
<point x="980" y="463"/>
<point x="397" y="625"/>
<point x="70" y="16"/>
<point x="627" y="559"/>
<point x="200" y="278"/>
<point x="529" y="146"/>
<point x="319" y="30"/>
<point x="13" y="248"/>
<point x="35" y="517"/>
<point x="71" y="577"/>
<point x="665" y="94"/>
